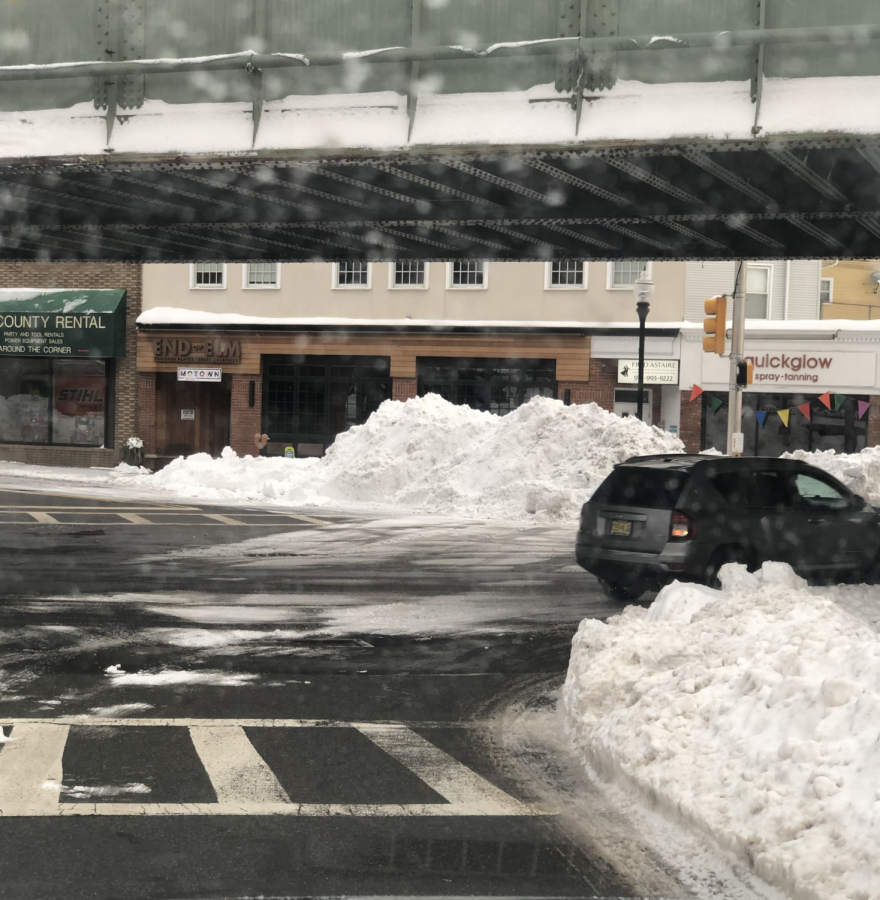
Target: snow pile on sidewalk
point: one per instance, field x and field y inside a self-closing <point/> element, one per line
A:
<point x="430" y="455"/>
<point x="752" y="713"/>
<point x="860" y="472"/>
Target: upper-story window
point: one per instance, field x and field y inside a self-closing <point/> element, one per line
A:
<point x="409" y="273"/>
<point x="565" y="274"/>
<point x="757" y="291"/>
<point x="624" y="273"/>
<point x="826" y="290"/>
<point x="352" y="273"/>
<point x="207" y="275"/>
<point x="261" y="275"/>
<point x="467" y="273"/>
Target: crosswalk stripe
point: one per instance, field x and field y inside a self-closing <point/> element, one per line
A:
<point x="226" y="520"/>
<point x="31" y="774"/>
<point x="308" y="519"/>
<point x="238" y="773"/>
<point x="134" y="518"/>
<point x="447" y="776"/>
<point x="30" y="769"/>
<point x="44" y="518"/>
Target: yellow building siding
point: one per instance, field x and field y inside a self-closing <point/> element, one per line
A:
<point x="854" y="295"/>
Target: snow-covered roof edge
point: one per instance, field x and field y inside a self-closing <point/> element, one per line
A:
<point x="169" y="316"/>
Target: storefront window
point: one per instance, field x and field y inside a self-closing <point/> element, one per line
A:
<point x="840" y="430"/>
<point x="313" y="399"/>
<point x="496" y="385"/>
<point x="53" y="401"/>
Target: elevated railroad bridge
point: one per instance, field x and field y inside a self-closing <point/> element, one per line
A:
<point x="181" y="130"/>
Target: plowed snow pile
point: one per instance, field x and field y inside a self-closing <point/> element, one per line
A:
<point x="860" y="472"/>
<point x="752" y="713"/>
<point x="428" y="455"/>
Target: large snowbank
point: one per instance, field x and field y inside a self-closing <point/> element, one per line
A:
<point x="752" y="713"/>
<point x="860" y="472"/>
<point x="428" y="455"/>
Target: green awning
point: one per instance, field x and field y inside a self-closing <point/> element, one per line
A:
<point x="64" y="324"/>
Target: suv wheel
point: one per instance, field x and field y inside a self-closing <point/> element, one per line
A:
<point x="722" y="556"/>
<point x="622" y="590"/>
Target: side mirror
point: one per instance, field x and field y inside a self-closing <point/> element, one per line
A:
<point x="859" y="502"/>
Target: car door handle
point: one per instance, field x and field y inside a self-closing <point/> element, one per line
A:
<point x="817" y="520"/>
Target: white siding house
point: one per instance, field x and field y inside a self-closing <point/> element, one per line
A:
<point x="792" y="288"/>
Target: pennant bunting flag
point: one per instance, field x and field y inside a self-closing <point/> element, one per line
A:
<point x="825" y="399"/>
<point x="805" y="409"/>
<point x="783" y="414"/>
<point x="863" y="407"/>
<point x="716" y="404"/>
<point x="696" y="393"/>
<point x="760" y="415"/>
<point x="839" y="400"/>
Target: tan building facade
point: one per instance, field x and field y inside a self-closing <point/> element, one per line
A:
<point x="300" y="352"/>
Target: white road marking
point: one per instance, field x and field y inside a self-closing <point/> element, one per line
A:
<point x="31" y="773"/>
<point x="308" y="519"/>
<point x="43" y="518"/>
<point x="451" y="779"/>
<point x="134" y="518"/>
<point x="30" y="769"/>
<point x="225" y="520"/>
<point x="238" y="773"/>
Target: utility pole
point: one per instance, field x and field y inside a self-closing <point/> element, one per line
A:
<point x="735" y="442"/>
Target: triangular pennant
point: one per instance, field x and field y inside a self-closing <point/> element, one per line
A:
<point x="760" y="415"/>
<point x="826" y="400"/>
<point x="716" y="404"/>
<point x="695" y="393"/>
<point x="783" y="414"/>
<point x="805" y="409"/>
<point x="839" y="400"/>
<point x="863" y="407"/>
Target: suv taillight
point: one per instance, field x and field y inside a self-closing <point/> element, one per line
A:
<point x="681" y="528"/>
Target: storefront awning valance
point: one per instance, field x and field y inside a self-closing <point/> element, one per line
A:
<point x="65" y="324"/>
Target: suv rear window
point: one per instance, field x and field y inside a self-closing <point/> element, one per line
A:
<point x="635" y="486"/>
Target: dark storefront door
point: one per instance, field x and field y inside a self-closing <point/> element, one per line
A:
<point x="309" y="400"/>
<point x="191" y="417"/>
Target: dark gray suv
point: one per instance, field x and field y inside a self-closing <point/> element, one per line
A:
<point x="656" y="518"/>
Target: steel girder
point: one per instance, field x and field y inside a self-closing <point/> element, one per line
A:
<point x="805" y="198"/>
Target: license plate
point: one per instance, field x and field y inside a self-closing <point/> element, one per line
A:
<point x="622" y="527"/>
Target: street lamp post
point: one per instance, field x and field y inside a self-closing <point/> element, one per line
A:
<point x="643" y="290"/>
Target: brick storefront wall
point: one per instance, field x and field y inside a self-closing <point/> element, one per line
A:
<point x="71" y="276"/>
<point x="873" y="415"/>
<point x="245" y="421"/>
<point x="690" y="427"/>
<point x="404" y="388"/>
<point x="600" y="388"/>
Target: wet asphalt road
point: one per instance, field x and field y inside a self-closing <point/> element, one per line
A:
<point x="322" y="690"/>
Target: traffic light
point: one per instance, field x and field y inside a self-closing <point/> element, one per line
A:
<point x="715" y="325"/>
<point x="744" y="373"/>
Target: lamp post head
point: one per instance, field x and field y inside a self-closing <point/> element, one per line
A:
<point x="643" y="290"/>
